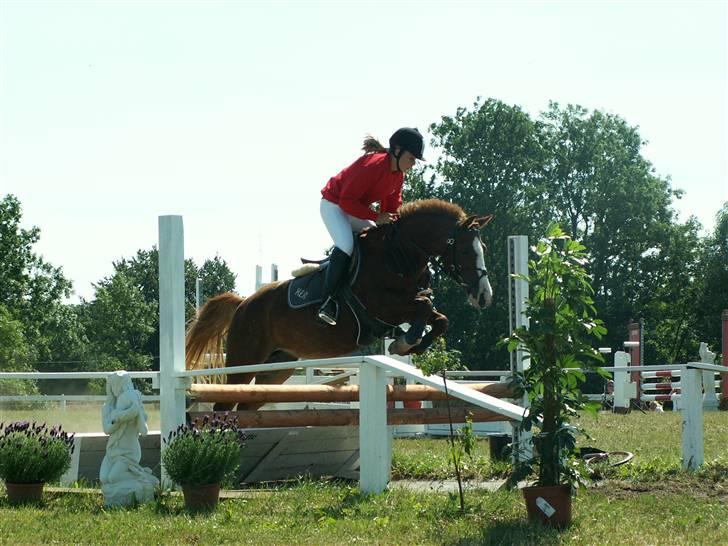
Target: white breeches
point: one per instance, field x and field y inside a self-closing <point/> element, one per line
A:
<point x="341" y="226"/>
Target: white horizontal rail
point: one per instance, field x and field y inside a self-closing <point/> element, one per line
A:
<point x="73" y="375"/>
<point x="661" y="367"/>
<point x="66" y="398"/>
<point x="340" y="362"/>
<point x="508" y="410"/>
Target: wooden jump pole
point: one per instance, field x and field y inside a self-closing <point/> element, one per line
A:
<point x="348" y="417"/>
<point x="325" y="393"/>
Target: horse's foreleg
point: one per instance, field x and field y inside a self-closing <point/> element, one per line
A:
<point x="439" y="323"/>
<point x="421" y="311"/>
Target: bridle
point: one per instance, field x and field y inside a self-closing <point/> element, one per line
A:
<point x="448" y="264"/>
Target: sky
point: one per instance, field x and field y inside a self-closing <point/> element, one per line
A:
<point x="235" y="114"/>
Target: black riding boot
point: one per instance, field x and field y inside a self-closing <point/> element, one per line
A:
<point x="328" y="313"/>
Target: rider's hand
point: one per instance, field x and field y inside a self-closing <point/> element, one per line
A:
<point x="385" y="218"/>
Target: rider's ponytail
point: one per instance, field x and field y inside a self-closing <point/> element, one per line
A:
<point x="373" y="146"/>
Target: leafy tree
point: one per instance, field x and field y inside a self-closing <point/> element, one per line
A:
<point x="123" y="318"/>
<point x="711" y="295"/>
<point x="585" y="171"/>
<point x="120" y="323"/>
<point x="600" y="187"/>
<point x="490" y="162"/>
<point x="216" y="278"/>
<point x="32" y="293"/>
<point x="15" y="355"/>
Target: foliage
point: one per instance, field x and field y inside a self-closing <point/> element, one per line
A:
<point x="711" y="279"/>
<point x="205" y="452"/>
<point x="31" y="453"/>
<point x="14" y="355"/>
<point x="120" y="324"/>
<point x="32" y="291"/>
<point x="562" y="325"/>
<point x="123" y="318"/>
<point x="438" y="358"/>
<point x="585" y="170"/>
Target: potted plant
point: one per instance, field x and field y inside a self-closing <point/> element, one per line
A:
<point x="558" y="344"/>
<point x="31" y="455"/>
<point x="200" y="456"/>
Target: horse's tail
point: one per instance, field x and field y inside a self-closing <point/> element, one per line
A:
<point x="206" y="334"/>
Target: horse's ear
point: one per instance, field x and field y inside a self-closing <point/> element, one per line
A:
<point x="473" y="222"/>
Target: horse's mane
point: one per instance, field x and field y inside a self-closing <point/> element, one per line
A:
<point x="432" y="207"/>
<point x="413" y="209"/>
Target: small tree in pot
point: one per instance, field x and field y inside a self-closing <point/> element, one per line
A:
<point x="563" y="324"/>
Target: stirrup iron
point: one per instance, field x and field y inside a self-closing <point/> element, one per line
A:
<point x="326" y="317"/>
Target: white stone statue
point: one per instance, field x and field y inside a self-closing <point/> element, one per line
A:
<point x="123" y="479"/>
<point x="710" y="397"/>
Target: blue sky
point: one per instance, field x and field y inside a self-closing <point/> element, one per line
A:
<point x="234" y="114"/>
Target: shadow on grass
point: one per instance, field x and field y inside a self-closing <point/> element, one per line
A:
<point x="516" y="531"/>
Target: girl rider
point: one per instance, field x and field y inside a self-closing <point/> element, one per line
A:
<point x="376" y="177"/>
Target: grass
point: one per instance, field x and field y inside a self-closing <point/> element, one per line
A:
<point x="77" y="417"/>
<point x="649" y="501"/>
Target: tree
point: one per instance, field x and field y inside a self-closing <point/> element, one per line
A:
<point x="578" y="168"/>
<point x="711" y="294"/>
<point x="600" y="187"/>
<point x="15" y="355"/>
<point x="32" y="293"/>
<point x="491" y="163"/>
<point x="123" y="318"/>
<point x="120" y="324"/>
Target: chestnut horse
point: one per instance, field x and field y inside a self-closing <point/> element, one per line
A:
<point x="395" y="259"/>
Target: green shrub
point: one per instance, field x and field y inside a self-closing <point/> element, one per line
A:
<point x="31" y="453"/>
<point x="204" y="453"/>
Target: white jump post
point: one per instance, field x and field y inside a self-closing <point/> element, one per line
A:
<point x="375" y="440"/>
<point x="517" y="295"/>
<point x="691" y="385"/>
<point x="171" y="328"/>
<point x="624" y="389"/>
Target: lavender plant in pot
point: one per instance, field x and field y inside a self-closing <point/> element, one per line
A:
<point x="31" y="455"/>
<point x="201" y="456"/>
<point x="558" y="344"/>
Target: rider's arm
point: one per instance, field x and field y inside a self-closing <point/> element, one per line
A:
<point x="359" y="179"/>
<point x="392" y="202"/>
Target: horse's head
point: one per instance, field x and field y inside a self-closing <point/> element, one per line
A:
<point x="465" y="261"/>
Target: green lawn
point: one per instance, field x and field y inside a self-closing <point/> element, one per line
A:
<point x="650" y="501"/>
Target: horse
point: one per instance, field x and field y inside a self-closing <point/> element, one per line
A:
<point x="391" y="285"/>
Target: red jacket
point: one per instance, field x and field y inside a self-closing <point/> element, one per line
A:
<point x="368" y="180"/>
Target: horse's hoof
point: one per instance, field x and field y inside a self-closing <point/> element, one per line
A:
<point x="400" y="347"/>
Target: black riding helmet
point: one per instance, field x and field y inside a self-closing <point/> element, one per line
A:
<point x="408" y="139"/>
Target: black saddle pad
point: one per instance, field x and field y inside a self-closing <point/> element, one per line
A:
<point x="307" y="290"/>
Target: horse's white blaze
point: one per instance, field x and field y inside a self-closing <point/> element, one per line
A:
<point x="484" y="288"/>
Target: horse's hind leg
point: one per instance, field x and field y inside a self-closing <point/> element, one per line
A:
<point x="270" y="378"/>
<point x="246" y="345"/>
<point x="278" y="377"/>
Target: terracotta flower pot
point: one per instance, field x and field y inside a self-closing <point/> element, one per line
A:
<point x="19" y="493"/>
<point x="550" y="505"/>
<point x="201" y="497"/>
